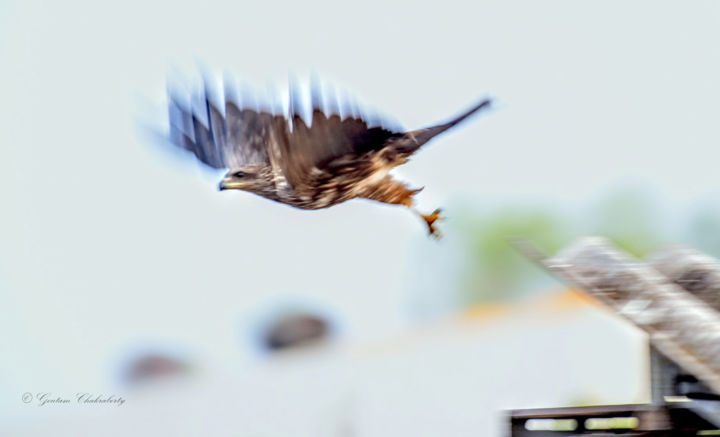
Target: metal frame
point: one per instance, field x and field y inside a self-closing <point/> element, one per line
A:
<point x="675" y="298"/>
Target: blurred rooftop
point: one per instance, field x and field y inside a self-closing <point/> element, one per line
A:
<point x="458" y="375"/>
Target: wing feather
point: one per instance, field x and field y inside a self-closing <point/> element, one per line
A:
<point x="232" y="140"/>
<point x="327" y="138"/>
<point x="243" y="136"/>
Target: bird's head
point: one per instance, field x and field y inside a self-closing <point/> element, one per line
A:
<point x="251" y="178"/>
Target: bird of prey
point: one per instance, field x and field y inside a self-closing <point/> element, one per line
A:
<point x="313" y="165"/>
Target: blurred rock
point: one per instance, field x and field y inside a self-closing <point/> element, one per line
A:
<point x="151" y="367"/>
<point x="295" y="330"/>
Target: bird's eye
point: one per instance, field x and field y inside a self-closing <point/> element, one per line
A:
<point x="239" y="174"/>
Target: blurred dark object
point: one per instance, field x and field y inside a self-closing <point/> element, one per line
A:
<point x="673" y="298"/>
<point x="294" y="330"/>
<point x="630" y="420"/>
<point x="152" y="367"/>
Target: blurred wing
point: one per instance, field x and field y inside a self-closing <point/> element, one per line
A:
<point x="244" y="136"/>
<point x="327" y="138"/>
<point x="237" y="138"/>
<point x="413" y="140"/>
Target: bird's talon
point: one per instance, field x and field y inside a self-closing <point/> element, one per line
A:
<point x="430" y="219"/>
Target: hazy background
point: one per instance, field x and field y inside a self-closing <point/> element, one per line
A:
<point x="606" y="122"/>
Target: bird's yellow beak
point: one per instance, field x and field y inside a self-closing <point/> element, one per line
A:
<point x="230" y="183"/>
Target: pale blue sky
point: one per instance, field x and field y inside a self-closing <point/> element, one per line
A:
<point x="106" y="241"/>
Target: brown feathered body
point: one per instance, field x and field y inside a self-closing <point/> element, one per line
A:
<point x="343" y="179"/>
<point x="308" y="166"/>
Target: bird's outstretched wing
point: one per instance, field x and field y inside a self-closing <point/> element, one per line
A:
<point x="328" y="137"/>
<point x="244" y="136"/>
<point x="230" y="140"/>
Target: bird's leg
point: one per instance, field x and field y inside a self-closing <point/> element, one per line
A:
<point x="430" y="220"/>
<point x="388" y="190"/>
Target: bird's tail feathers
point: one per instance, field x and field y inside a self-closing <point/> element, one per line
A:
<point x="415" y="139"/>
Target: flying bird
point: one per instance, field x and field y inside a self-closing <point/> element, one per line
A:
<point x="279" y="156"/>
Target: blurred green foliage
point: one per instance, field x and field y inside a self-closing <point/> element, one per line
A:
<point x="629" y="218"/>
<point x="494" y="270"/>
